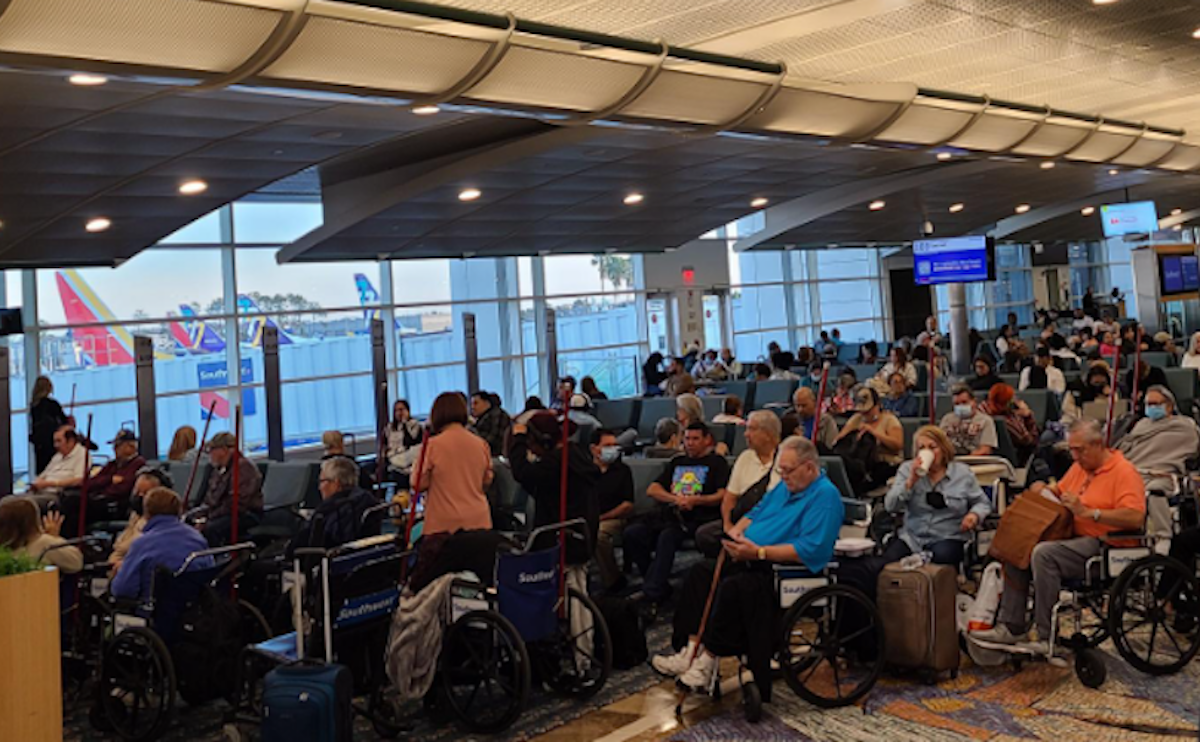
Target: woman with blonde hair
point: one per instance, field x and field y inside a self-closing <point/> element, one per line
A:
<point x="183" y="445"/>
<point x="25" y="533"/>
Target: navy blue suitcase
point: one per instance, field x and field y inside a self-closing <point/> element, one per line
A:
<point x="308" y="703"/>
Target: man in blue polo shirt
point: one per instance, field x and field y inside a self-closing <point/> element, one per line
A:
<point x="797" y="522"/>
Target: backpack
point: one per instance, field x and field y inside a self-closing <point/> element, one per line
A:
<point x="626" y="631"/>
<point x="206" y="647"/>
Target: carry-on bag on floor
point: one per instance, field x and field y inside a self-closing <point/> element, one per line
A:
<point x="921" y="627"/>
<point x="308" y="703"/>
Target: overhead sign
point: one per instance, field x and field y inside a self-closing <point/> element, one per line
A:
<point x="952" y="260"/>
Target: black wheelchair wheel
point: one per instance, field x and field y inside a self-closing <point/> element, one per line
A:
<point x="385" y="719"/>
<point x="1090" y="667"/>
<point x="577" y="660"/>
<point x="1141" y="628"/>
<point x="137" y="684"/>
<point x="752" y="703"/>
<point x="255" y="626"/>
<point x="828" y="659"/>
<point x="485" y="672"/>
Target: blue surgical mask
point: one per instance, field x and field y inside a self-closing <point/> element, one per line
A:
<point x="964" y="410"/>
<point x="1155" y="411"/>
<point x="609" y="454"/>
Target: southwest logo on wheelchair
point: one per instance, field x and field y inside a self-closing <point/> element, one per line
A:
<point x="524" y="577"/>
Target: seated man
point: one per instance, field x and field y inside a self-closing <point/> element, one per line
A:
<point x="971" y="430"/>
<point x="668" y="437"/>
<point x="614" y="497"/>
<point x="218" y="501"/>
<point x="1159" y="447"/>
<point x="66" y="467"/>
<point x="339" y="517"/>
<point x="804" y="402"/>
<point x="491" y="422"/>
<point x="753" y="476"/>
<point x="111" y="485"/>
<point x="797" y="522"/>
<point x="1105" y="494"/>
<point x="165" y="542"/>
<point x="689" y="493"/>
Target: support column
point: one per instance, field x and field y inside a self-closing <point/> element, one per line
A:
<point x="550" y="333"/>
<point x="960" y="344"/>
<point x="273" y="391"/>
<point x="387" y="313"/>
<point x="540" y="310"/>
<point x="379" y="384"/>
<point x="789" y="300"/>
<point x="31" y="341"/>
<point x="470" y="352"/>
<point x="6" y="452"/>
<point x="147" y="402"/>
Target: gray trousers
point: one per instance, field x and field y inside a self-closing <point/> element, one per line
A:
<point x="1051" y="563"/>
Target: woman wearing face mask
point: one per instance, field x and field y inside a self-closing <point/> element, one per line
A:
<point x="1095" y="385"/>
<point x="985" y="375"/>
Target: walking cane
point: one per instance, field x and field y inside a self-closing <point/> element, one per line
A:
<point x="820" y="398"/>
<point x="712" y="590"/>
<point x="87" y="477"/>
<point x="187" y="493"/>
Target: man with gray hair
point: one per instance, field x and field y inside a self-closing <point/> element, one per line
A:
<point x="339" y="518"/>
<point x="1105" y="494"/>
<point x="797" y="522"/>
<point x="668" y="439"/>
<point x="1159" y="446"/>
<point x="752" y="477"/>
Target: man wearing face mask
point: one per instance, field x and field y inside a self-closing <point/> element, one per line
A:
<point x="1160" y="444"/>
<point x="972" y="431"/>
<point x="614" y="495"/>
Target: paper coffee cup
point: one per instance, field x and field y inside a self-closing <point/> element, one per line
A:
<point x="924" y="461"/>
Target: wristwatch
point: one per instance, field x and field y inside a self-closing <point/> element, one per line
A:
<point x="762" y="553"/>
<point x="1096" y="515"/>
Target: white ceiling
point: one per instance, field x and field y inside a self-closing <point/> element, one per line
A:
<point x="1134" y="59"/>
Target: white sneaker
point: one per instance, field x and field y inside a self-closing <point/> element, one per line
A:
<point x="699" y="676"/>
<point x="999" y="635"/>
<point x="673" y="665"/>
<point x="1039" y="647"/>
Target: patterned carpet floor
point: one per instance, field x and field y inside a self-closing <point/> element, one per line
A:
<point x="1040" y="702"/>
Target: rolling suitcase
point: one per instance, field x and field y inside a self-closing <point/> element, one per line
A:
<point x="921" y="629"/>
<point x="308" y="703"/>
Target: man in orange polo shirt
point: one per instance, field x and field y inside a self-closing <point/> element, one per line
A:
<point x="1105" y="494"/>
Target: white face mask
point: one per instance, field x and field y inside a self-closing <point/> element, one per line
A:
<point x="609" y="454"/>
<point x="964" y="410"/>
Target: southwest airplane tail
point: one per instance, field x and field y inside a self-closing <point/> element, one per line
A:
<point x="258" y="323"/>
<point x="100" y="346"/>
<point x="368" y="299"/>
<point x="199" y="337"/>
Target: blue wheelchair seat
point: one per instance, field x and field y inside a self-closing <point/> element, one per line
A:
<point x="527" y="586"/>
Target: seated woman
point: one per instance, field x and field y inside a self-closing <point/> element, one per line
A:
<point x="1018" y="418"/>
<point x="899" y="364"/>
<point x="900" y="401"/>
<point x="985" y="375"/>
<point x="841" y="401"/>
<point x="403" y="443"/>
<point x="183" y="445"/>
<point x="25" y="533"/>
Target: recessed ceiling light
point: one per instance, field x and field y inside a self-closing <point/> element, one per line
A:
<point x="99" y="224"/>
<point x="426" y="110"/>
<point x="1114" y="171"/>
<point x="1022" y="208"/>
<point x="1103" y="2"/>
<point x="1047" y="165"/>
<point x="87" y="80"/>
<point x="760" y="202"/>
<point x="876" y="205"/>
<point x="634" y="199"/>
<point x="1196" y="34"/>
<point x="943" y="156"/>
<point x="192" y="187"/>
<point x="1088" y="210"/>
<point x="1176" y="212"/>
<point x="955" y="208"/>
<point x="469" y="194"/>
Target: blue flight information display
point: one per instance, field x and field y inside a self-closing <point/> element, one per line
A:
<point x="1180" y="274"/>
<point x="951" y="260"/>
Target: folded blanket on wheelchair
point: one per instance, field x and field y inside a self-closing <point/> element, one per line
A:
<point x="415" y="640"/>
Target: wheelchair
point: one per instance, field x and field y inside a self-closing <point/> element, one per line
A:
<point x="137" y="680"/>
<point x="530" y="626"/>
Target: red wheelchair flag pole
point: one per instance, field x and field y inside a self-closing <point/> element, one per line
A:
<point x="562" y="502"/>
<point x="236" y="479"/>
<point x="820" y="397"/>
<point x="87" y="476"/>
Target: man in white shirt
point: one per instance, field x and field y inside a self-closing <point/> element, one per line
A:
<point x="1055" y="381"/>
<point x="930" y="335"/>
<point x="66" y="468"/>
<point x="753" y="475"/>
<point x="1081" y="321"/>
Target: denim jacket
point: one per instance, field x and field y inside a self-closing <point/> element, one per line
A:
<point x="924" y="524"/>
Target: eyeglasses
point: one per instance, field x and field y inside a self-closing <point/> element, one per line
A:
<point x="324" y="480"/>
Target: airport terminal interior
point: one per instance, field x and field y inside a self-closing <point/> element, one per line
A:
<point x="615" y="370"/>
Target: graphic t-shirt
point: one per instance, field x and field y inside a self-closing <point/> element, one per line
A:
<point x="970" y="433"/>
<point x="701" y="476"/>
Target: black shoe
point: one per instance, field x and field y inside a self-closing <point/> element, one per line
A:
<point x="618" y="587"/>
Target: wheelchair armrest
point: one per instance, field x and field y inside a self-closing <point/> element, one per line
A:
<point x="1108" y="538"/>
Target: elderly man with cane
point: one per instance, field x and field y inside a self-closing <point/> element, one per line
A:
<point x="726" y="607"/>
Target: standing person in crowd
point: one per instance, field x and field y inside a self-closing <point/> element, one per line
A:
<point x="109" y="489"/>
<point x="900" y="401"/>
<point x="752" y="477"/>
<point x="970" y="429"/>
<point x="218" y="501"/>
<point x="491" y="422"/>
<point x="899" y="364"/>
<point x="1018" y="420"/>
<point x="985" y="375"/>
<point x="587" y="385"/>
<point x="689" y="493"/>
<point x="731" y="411"/>
<point x="183" y="445"/>
<point x="1089" y="302"/>
<point x="1191" y="358"/>
<point x="871" y="442"/>
<point x="66" y="467"/>
<point x="930" y="334"/>
<point x="733" y="367"/>
<point x="614" y="499"/>
<point x="165" y="543"/>
<point x="403" y="443"/>
<point x="1049" y="376"/>
<point x="25" y="532"/>
<point x="804" y="411"/>
<point x="45" y="417"/>
<point x="533" y="405"/>
<point x="653" y="375"/>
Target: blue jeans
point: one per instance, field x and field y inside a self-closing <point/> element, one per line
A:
<point x="662" y="540"/>
<point x="948" y="552"/>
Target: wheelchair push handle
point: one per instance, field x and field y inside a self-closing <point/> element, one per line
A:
<point x="555" y="528"/>
<point x="245" y="546"/>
